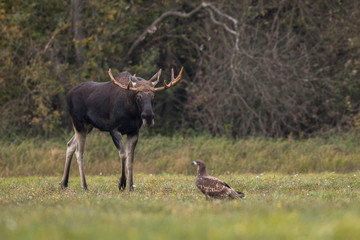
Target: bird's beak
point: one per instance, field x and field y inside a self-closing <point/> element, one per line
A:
<point x="193" y="163"/>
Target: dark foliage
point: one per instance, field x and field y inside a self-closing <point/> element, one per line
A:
<point x="269" y="68"/>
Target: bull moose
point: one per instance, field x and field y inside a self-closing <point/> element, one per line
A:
<point x="120" y="107"/>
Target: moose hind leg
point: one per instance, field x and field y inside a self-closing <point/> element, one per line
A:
<point x="117" y="139"/>
<point x="81" y="137"/>
<point x="71" y="147"/>
<point x="131" y="142"/>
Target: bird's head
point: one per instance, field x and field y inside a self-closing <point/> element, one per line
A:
<point x="201" y="166"/>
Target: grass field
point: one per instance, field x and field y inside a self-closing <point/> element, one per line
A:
<point x="158" y="154"/>
<point x="277" y="206"/>
<point x="295" y="189"/>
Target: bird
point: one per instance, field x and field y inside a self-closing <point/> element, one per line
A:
<point x="212" y="187"/>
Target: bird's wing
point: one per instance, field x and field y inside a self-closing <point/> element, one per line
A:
<point x="219" y="181"/>
<point x="213" y="187"/>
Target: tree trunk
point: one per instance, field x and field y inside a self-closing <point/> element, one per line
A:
<point x="79" y="34"/>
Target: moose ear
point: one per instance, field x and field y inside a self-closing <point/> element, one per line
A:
<point x="133" y="84"/>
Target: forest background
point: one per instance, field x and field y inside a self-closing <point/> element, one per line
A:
<point x="269" y="100"/>
<point x="263" y="68"/>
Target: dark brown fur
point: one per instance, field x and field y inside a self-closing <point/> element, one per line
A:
<point x="107" y="107"/>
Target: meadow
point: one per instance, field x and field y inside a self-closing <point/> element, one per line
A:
<point x="295" y="189"/>
<point x="302" y="206"/>
<point x="28" y="156"/>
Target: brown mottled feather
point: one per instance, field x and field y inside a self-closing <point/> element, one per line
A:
<point x="212" y="187"/>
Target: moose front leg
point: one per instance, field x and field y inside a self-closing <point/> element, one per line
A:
<point x="117" y="139"/>
<point x="130" y="147"/>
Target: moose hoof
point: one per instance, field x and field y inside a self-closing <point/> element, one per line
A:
<point x="62" y="185"/>
<point x="122" y="185"/>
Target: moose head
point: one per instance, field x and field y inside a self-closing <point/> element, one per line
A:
<point x="144" y="90"/>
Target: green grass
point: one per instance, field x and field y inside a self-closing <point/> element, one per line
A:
<point x="277" y="206"/>
<point x="158" y="154"/>
<point x="295" y="189"/>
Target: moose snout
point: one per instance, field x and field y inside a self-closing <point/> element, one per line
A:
<point x="148" y="119"/>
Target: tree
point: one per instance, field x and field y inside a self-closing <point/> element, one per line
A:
<point x="251" y="67"/>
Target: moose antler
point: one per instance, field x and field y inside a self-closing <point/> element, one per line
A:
<point x="119" y="84"/>
<point x="173" y="81"/>
<point x="157" y="76"/>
